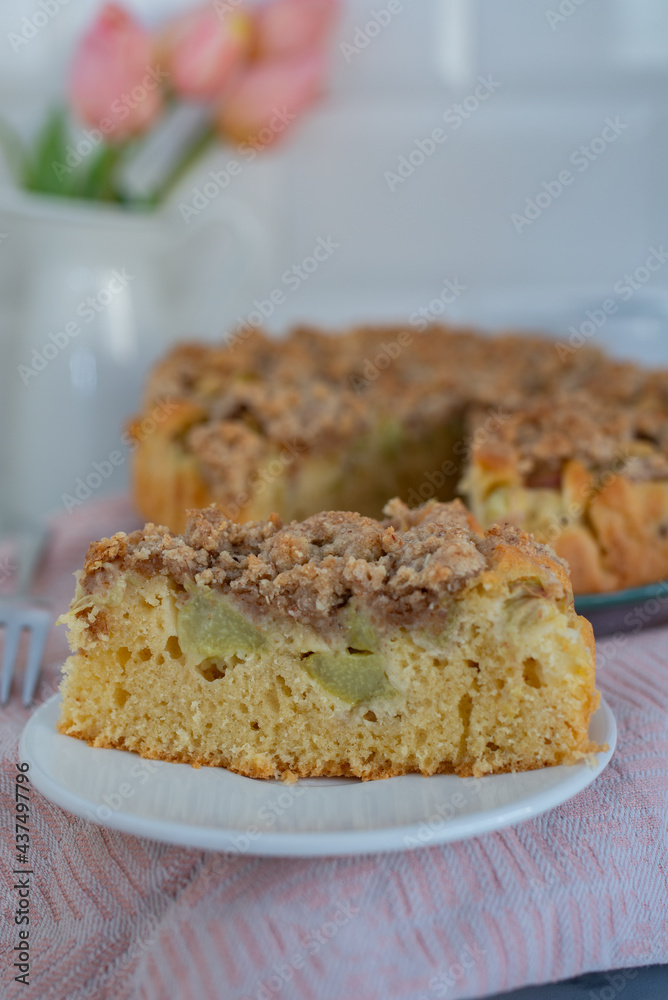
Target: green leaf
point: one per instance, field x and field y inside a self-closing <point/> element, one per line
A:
<point x="97" y="179"/>
<point x="48" y="172"/>
<point x="14" y="150"/>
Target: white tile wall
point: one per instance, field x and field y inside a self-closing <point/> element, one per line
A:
<point x="563" y="66"/>
<point x="560" y="80"/>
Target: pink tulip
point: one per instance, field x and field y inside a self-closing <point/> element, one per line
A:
<point x="288" y="26"/>
<point x="114" y="86"/>
<point x="202" y="51"/>
<point x="268" y="96"/>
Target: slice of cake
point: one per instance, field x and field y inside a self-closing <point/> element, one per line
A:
<point x="340" y="645"/>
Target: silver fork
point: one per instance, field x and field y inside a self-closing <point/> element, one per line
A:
<point x="19" y="612"/>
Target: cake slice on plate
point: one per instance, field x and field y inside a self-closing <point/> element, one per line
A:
<point x="339" y="645"/>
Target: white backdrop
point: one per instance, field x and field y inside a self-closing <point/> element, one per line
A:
<point x="561" y="68"/>
<point x="493" y="161"/>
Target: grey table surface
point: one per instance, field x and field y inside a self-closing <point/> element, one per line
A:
<point x="650" y="983"/>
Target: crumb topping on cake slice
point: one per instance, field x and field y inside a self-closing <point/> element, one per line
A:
<point x="398" y="568"/>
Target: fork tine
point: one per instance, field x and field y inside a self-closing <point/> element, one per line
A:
<point x="12" y="636"/>
<point x="38" y="637"/>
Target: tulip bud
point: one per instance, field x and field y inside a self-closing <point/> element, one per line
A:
<point x="202" y="51"/>
<point x="114" y="84"/>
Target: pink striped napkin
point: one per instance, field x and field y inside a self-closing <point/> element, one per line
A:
<point x="583" y="888"/>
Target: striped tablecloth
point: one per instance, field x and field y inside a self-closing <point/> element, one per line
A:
<point x="583" y="888"/>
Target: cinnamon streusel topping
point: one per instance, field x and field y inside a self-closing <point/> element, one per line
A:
<point x="399" y="568"/>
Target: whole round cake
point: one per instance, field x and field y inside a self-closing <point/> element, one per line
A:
<point x="564" y="442"/>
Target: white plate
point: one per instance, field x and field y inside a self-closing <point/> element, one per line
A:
<point x="214" y="809"/>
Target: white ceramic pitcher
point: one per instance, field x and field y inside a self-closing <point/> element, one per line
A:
<point x="91" y="295"/>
